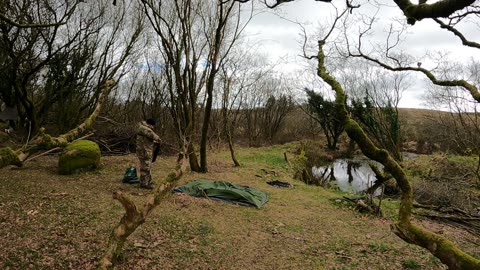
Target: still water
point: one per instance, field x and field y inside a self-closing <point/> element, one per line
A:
<point x="350" y="175"/>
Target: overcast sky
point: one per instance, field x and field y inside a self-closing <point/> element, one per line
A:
<point x="279" y="38"/>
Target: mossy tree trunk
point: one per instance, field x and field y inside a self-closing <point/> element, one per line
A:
<point x="439" y="246"/>
<point x="17" y="157"/>
<point x="136" y="215"/>
<point x="192" y="157"/>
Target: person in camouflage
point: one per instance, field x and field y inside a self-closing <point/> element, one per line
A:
<point x="146" y="139"/>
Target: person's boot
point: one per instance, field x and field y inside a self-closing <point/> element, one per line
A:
<point x="147" y="186"/>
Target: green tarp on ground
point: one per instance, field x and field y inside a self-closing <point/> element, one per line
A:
<point x="225" y="191"/>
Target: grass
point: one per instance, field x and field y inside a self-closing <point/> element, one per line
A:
<point x="411" y="264"/>
<point x="378" y="247"/>
<point x="271" y="157"/>
<point x="60" y="222"/>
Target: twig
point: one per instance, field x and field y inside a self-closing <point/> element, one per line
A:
<point x="84" y="137"/>
<point x="380" y="201"/>
<point x="29" y="133"/>
<point x="42" y="154"/>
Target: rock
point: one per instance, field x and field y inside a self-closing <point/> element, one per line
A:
<point x="79" y="156"/>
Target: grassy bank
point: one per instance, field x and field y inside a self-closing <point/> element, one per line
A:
<point x="48" y="221"/>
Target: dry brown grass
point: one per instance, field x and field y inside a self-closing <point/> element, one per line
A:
<point x="48" y="221"/>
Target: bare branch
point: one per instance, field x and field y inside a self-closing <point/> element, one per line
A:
<point x="413" y="12"/>
<point x="28" y="25"/>
<point x="472" y="89"/>
<point x="458" y="34"/>
<point x="62" y="21"/>
<point x="136" y="215"/>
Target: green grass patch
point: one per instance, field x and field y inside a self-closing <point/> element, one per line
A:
<point x="390" y="208"/>
<point x="271" y="157"/>
<point x="379" y="247"/>
<point x="411" y="264"/>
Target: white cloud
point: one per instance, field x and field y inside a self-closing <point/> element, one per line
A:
<point x="276" y="34"/>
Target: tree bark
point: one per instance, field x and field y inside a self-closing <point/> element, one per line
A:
<point x="192" y="157"/>
<point x="421" y="11"/>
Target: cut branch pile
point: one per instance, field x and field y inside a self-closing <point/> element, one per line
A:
<point x="114" y="144"/>
<point x="453" y="217"/>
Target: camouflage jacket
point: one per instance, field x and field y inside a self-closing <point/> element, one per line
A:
<point x="145" y="140"/>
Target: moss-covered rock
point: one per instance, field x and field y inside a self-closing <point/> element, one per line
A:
<point x="79" y="156"/>
<point x="9" y="157"/>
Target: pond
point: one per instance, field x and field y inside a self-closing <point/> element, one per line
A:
<point x="350" y="175"/>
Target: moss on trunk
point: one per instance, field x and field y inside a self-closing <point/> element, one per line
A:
<point x="439" y="246"/>
<point x="9" y="157"/>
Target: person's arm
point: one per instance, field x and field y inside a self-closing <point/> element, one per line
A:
<point x="149" y="133"/>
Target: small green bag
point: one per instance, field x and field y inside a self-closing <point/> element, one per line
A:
<point x="130" y="176"/>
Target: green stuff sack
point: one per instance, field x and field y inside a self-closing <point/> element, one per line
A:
<point x="130" y="176"/>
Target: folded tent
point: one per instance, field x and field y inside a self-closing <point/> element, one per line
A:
<point x="225" y="191"/>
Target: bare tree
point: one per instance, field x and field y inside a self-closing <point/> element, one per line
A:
<point x="439" y="246"/>
<point x="404" y="228"/>
<point x="47" y="69"/>
<point x="227" y="29"/>
<point x="265" y="107"/>
<point x="195" y="37"/>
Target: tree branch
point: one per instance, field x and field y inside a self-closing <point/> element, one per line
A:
<point x="458" y="34"/>
<point x="443" y="8"/>
<point x="413" y="12"/>
<point x="136" y="216"/>
<point x="28" y="25"/>
<point x="472" y="89"/>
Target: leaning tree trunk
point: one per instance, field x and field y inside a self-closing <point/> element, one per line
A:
<point x="206" y="123"/>
<point x="438" y="245"/>
<point x="135" y="215"/>
<point x="232" y="149"/>
<point x="17" y="157"/>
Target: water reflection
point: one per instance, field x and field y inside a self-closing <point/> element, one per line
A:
<point x="350" y="175"/>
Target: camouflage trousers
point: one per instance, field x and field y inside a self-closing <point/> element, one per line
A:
<point x="145" y="176"/>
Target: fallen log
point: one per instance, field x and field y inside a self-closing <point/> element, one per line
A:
<point x="17" y="157"/>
